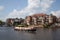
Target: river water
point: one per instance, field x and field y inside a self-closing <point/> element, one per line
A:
<point x="8" y="33"/>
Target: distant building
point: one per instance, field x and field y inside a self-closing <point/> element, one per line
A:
<point x="14" y="21"/>
<point x="41" y="18"/>
<point x="9" y="21"/>
<point x="36" y="19"/>
<point x="58" y="20"/>
<point x="28" y="20"/>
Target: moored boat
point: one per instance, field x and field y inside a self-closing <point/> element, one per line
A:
<point x="25" y="28"/>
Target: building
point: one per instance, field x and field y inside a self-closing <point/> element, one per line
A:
<point x="14" y="21"/>
<point x="28" y="20"/>
<point x="41" y="18"/>
<point x="9" y="21"/>
<point x="58" y="20"/>
<point x="52" y="19"/>
<point x="36" y="19"/>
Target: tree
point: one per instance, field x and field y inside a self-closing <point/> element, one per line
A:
<point x="1" y="22"/>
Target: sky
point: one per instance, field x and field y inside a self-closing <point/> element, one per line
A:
<point x="23" y="8"/>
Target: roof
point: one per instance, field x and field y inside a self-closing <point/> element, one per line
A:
<point x="40" y="14"/>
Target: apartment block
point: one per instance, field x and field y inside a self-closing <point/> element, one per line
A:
<point x="40" y="18"/>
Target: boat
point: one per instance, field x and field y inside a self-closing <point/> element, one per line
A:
<point x="25" y="28"/>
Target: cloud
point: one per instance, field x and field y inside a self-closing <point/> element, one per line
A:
<point x="56" y="13"/>
<point x="34" y="6"/>
<point x="1" y="8"/>
<point x="13" y="13"/>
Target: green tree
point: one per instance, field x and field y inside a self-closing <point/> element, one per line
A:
<point x="1" y="22"/>
<point x="46" y="26"/>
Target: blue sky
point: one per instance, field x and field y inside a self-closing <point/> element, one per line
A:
<point x="56" y="5"/>
<point x="8" y="6"/>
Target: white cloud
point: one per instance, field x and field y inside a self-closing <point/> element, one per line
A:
<point x="1" y="8"/>
<point x="34" y="6"/>
<point x="13" y="13"/>
<point x="56" y="13"/>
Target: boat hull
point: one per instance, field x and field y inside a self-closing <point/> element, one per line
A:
<point x="25" y="28"/>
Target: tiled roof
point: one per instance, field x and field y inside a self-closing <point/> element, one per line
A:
<point x="40" y="14"/>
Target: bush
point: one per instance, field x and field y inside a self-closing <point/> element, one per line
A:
<point x="20" y="25"/>
<point x="23" y="25"/>
<point x="45" y="26"/>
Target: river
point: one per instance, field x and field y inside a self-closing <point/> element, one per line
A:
<point x="8" y="33"/>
